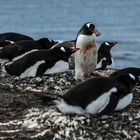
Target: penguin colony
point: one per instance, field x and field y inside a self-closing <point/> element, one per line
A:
<point x="27" y="57"/>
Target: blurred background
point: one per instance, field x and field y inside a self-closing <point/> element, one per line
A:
<point x="61" y="20"/>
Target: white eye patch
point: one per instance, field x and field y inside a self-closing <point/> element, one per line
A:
<point x="132" y="76"/>
<point x="88" y="25"/>
<point x="106" y="43"/>
<point x="49" y="39"/>
<point x="12" y="42"/>
<point x="63" y="49"/>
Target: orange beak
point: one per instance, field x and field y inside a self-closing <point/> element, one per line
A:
<point x="74" y="49"/>
<point x="96" y="32"/>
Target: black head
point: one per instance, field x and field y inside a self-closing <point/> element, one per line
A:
<point x="46" y="43"/>
<point x="107" y="45"/>
<point x="64" y="52"/>
<point x="128" y="80"/>
<point x="89" y="29"/>
<point x="133" y="70"/>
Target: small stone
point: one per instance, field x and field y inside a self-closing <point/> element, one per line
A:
<point x="45" y="88"/>
<point x="28" y="89"/>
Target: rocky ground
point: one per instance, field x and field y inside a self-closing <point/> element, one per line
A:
<point x="23" y="115"/>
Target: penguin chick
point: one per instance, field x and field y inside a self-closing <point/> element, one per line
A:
<point x="96" y="96"/>
<point x="37" y="63"/>
<point x="11" y="37"/>
<point x="104" y="57"/>
<point x="18" y="48"/>
<point x="85" y="57"/>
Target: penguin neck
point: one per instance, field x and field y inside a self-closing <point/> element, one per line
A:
<point x="82" y="40"/>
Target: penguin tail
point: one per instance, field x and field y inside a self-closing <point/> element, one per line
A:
<point x="48" y="100"/>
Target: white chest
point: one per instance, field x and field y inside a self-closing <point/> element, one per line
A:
<point x="100" y="64"/>
<point x="84" y="39"/>
<point x="86" y="56"/>
<point x="124" y="102"/>
<point x="100" y="103"/>
<point x="32" y="70"/>
<point x="59" y="66"/>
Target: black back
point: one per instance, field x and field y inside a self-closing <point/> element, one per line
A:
<point x="90" y="90"/>
<point x="46" y="43"/>
<point x="18" y="48"/>
<point x="13" y="50"/>
<point x="12" y="36"/>
<point x="86" y="92"/>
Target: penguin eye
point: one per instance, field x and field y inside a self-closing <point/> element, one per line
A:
<point x="90" y="25"/>
<point x="106" y="43"/>
<point x="63" y="49"/>
<point x="132" y="76"/>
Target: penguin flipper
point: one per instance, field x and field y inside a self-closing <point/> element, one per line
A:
<point x="110" y="105"/>
<point x="41" y="69"/>
<point x="104" y="64"/>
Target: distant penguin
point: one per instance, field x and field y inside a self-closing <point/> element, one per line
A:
<point x="11" y="37"/>
<point x="37" y="63"/>
<point x="86" y="56"/>
<point x="104" y="57"/>
<point x="96" y="96"/>
<point x="18" y="48"/>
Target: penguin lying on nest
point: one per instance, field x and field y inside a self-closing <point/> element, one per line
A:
<point x="104" y="57"/>
<point x="11" y="37"/>
<point x="85" y="57"/>
<point x="21" y="47"/>
<point x="96" y="96"/>
<point x="38" y="63"/>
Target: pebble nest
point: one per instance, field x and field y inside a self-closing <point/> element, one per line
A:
<point x="23" y="115"/>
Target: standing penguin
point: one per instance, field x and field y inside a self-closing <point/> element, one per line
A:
<point x="96" y="96"/>
<point x="37" y="63"/>
<point x="85" y="57"/>
<point x="11" y="37"/>
<point x="105" y="59"/>
<point x="18" y="48"/>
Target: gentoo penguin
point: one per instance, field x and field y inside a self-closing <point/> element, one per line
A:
<point x="135" y="71"/>
<point x="11" y="37"/>
<point x="37" y="63"/>
<point x="96" y="96"/>
<point x="104" y="57"/>
<point x="85" y="57"/>
<point x="18" y="48"/>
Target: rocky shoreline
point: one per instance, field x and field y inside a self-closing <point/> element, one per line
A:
<point x="23" y="115"/>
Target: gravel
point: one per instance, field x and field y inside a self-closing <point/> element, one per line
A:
<point x="23" y="116"/>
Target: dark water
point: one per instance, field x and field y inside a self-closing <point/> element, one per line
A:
<point x="61" y="19"/>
